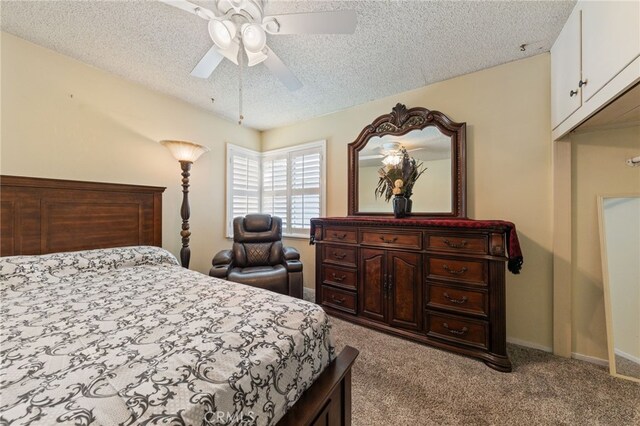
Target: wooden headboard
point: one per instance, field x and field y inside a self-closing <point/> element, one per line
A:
<point x="39" y="216"/>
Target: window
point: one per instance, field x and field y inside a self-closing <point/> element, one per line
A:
<point x="290" y="184"/>
<point x="243" y="183"/>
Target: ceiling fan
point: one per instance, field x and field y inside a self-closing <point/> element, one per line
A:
<point x="240" y="27"/>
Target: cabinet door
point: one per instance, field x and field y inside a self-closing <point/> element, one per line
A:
<point x="372" y="294"/>
<point x="405" y="290"/>
<point x="565" y="71"/>
<point x="610" y="41"/>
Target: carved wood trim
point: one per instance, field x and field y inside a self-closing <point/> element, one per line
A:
<point x="399" y="122"/>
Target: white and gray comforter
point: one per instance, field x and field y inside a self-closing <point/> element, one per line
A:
<point x="126" y="336"/>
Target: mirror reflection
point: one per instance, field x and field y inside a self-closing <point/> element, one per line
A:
<point x="620" y="236"/>
<point x="431" y="192"/>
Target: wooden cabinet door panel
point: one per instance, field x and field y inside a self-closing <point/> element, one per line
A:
<point x="372" y="295"/>
<point x="405" y="290"/>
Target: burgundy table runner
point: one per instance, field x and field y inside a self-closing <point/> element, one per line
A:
<point x="513" y="245"/>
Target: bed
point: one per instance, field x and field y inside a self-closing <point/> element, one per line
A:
<point x="124" y="335"/>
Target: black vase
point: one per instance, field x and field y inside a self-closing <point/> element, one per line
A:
<point x="399" y="206"/>
<point x="409" y="204"/>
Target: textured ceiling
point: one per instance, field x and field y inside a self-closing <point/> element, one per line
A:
<point x="397" y="46"/>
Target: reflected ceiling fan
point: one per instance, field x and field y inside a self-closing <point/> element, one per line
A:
<point x="389" y="153"/>
<point x="239" y="28"/>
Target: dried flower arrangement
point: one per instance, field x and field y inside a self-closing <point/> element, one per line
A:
<point x="399" y="179"/>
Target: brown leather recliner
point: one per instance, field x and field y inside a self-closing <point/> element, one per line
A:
<point x="258" y="258"/>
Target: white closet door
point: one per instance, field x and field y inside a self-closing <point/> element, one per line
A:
<point x="565" y="71"/>
<point x="610" y="41"/>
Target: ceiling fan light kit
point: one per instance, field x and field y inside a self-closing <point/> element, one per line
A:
<point x="222" y="32"/>
<point x="254" y="38"/>
<point x="239" y="27"/>
<point x="233" y="23"/>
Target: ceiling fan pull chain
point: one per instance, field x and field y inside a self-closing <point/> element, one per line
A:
<point x="240" y="64"/>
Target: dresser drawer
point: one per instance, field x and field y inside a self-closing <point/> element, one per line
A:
<point x="409" y="240"/>
<point x="340" y="255"/>
<point x="457" y="243"/>
<point x="457" y="299"/>
<point x="339" y="299"/>
<point x="341" y="235"/>
<point x="339" y="276"/>
<point x="458" y="329"/>
<point x="466" y="271"/>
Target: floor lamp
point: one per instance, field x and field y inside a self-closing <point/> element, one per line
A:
<point x="186" y="153"/>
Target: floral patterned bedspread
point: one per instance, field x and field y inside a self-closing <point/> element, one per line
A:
<point x="126" y="336"/>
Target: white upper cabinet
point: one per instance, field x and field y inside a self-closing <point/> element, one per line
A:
<point x="565" y="70"/>
<point x="610" y="41"/>
<point x="595" y="58"/>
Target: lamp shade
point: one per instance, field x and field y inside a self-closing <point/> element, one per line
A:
<point x="185" y="151"/>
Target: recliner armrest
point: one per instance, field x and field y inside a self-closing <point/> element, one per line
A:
<point x="222" y="263"/>
<point x="291" y="259"/>
<point x="290" y="253"/>
<point x="293" y="265"/>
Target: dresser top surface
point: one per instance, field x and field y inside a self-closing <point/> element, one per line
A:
<point x="499" y="225"/>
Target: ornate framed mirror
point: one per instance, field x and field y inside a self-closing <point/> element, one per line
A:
<point x="430" y="138"/>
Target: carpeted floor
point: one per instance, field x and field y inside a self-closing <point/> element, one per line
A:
<point x="398" y="382"/>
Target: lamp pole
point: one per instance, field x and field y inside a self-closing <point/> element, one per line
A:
<point x="185" y="213"/>
<point x="186" y="153"/>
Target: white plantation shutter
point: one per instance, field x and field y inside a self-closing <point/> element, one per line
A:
<point x="243" y="184"/>
<point x="306" y="191"/>
<point x="275" y="187"/>
<point x="288" y="183"/>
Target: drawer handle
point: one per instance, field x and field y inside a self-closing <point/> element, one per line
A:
<point x="338" y="278"/>
<point x="457" y="301"/>
<point x="339" y="256"/>
<point x="340" y="236"/>
<point x="339" y="301"/>
<point x="572" y="93"/>
<point x="453" y="271"/>
<point x="460" y="332"/>
<point x="451" y="244"/>
<point x="388" y="241"/>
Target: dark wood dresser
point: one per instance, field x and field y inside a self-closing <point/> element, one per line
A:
<point x="439" y="282"/>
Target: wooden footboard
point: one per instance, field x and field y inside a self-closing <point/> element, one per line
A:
<point x="328" y="400"/>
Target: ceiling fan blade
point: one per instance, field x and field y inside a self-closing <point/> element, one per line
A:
<point x="212" y="59"/>
<point x="280" y="70"/>
<point x="190" y="7"/>
<point x="332" y="22"/>
<point x="208" y="63"/>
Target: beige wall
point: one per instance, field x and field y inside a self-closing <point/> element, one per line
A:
<point x="507" y="111"/>
<point x="598" y="164"/>
<point x="63" y="119"/>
